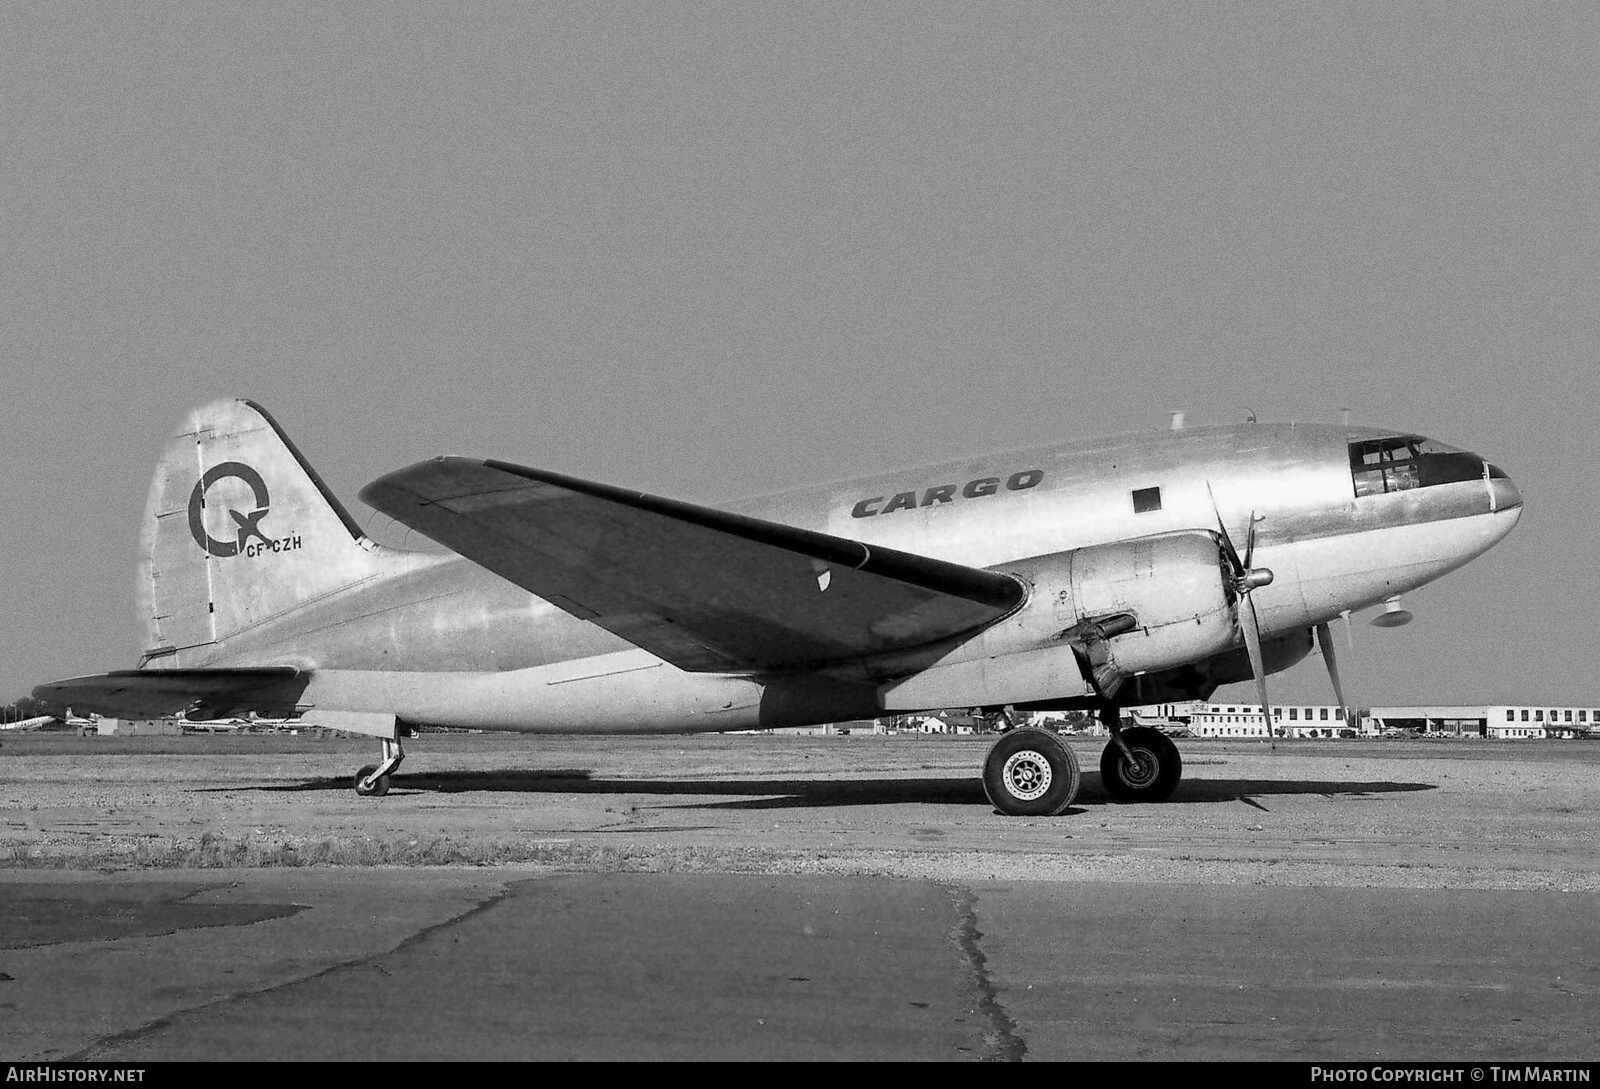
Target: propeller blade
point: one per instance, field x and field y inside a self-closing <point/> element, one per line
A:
<point x="1251" y="626"/>
<point x="1231" y="552"/>
<point x="1325" y="643"/>
<point x="1246" y="579"/>
<point x="1250" y="542"/>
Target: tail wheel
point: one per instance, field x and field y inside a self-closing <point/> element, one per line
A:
<point x="377" y="789"/>
<point x="1030" y="773"/>
<point x="1153" y="773"/>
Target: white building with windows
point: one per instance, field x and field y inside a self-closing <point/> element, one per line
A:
<point x="1247" y="720"/>
<point x="1557" y="721"/>
<point x="1498" y="721"/>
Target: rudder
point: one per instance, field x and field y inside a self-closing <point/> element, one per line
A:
<point x="238" y="528"/>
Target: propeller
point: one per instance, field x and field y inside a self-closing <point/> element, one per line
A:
<point x="1325" y="644"/>
<point x="1247" y="578"/>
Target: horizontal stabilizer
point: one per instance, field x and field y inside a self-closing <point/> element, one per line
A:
<point x="156" y="693"/>
<point x="704" y="589"/>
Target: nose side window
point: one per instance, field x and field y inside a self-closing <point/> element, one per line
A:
<point x="1401" y="462"/>
<point x="1384" y="465"/>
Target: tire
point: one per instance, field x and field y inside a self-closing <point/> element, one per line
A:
<point x="376" y="790"/>
<point x="1155" y="776"/>
<point x="1030" y="773"/>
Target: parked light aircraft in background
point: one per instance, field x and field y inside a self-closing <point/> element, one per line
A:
<point x="1096" y="574"/>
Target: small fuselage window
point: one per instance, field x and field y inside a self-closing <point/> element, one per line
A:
<point x="1146" y="500"/>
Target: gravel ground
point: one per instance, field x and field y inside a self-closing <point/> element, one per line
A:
<point x="1463" y="814"/>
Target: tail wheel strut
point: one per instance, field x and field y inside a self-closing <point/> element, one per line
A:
<point x="372" y="781"/>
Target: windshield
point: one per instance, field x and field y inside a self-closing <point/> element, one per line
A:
<point x="1402" y="462"/>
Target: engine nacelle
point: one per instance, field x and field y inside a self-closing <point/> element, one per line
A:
<point x="1148" y="604"/>
<point x="1095" y="617"/>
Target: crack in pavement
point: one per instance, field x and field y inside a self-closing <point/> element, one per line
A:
<point x="134" y="1035"/>
<point x="1002" y="1042"/>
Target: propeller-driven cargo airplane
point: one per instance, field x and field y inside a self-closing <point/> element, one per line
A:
<point x="1098" y="574"/>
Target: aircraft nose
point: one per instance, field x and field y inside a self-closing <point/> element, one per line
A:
<point x="1504" y="490"/>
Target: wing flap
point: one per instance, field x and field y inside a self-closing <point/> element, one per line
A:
<point x="704" y="589"/>
<point x="154" y="693"/>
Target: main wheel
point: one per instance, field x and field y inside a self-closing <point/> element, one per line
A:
<point x="1154" y="773"/>
<point x="1030" y="773"/>
<point x="377" y="789"/>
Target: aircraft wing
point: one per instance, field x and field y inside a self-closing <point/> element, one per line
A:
<point x="154" y="693"/>
<point x="704" y="589"/>
<point x="28" y="723"/>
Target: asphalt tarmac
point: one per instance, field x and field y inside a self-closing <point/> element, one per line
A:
<point x="826" y="898"/>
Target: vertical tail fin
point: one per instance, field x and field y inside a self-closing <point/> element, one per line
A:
<point x="238" y="528"/>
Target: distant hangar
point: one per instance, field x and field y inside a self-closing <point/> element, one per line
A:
<point x="1492" y="721"/>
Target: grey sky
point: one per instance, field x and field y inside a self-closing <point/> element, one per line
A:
<point x="716" y="250"/>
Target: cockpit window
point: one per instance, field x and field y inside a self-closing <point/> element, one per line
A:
<point x="1401" y="462"/>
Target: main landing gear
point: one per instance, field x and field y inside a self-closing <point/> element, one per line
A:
<point x="372" y="781"/>
<point x="1140" y="765"/>
<point x="1031" y="772"/>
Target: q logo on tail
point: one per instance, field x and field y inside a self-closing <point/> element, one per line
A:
<point x="249" y="524"/>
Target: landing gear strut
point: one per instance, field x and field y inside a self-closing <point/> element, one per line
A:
<point x="1140" y="764"/>
<point x="1030" y="773"/>
<point x="372" y="781"/>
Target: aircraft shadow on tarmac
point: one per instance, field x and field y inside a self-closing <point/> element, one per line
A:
<point x="800" y="793"/>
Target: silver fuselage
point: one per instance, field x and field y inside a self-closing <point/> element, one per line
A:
<point x="439" y="640"/>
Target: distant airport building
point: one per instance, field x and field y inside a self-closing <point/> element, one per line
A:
<point x="137" y="727"/>
<point x="1498" y="721"/>
<point x="1247" y="720"/>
